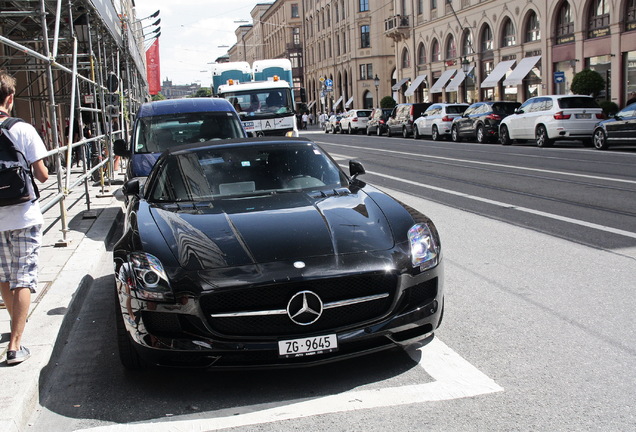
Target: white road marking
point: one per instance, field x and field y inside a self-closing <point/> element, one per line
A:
<point x="453" y="378"/>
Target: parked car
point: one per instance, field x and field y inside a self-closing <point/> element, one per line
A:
<point x="164" y="124"/>
<point x="355" y="121"/>
<point x="481" y="121"/>
<point x="333" y="124"/>
<point x="549" y="118"/>
<point x="402" y="117"/>
<point x="620" y="129"/>
<point x="242" y="253"/>
<point x="377" y="121"/>
<point x="436" y="121"/>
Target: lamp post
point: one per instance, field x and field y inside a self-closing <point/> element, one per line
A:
<point x="465" y="69"/>
<point x="376" y="82"/>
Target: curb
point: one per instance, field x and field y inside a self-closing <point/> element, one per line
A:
<point x="51" y="322"/>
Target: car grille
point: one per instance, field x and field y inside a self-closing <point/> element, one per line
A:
<point x="372" y="296"/>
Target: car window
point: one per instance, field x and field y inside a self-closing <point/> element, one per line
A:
<point x="629" y="111"/>
<point x="504" y="108"/>
<point x="219" y="171"/>
<point x="471" y="110"/>
<point x="455" y="109"/>
<point x="526" y="105"/>
<point x="540" y="104"/>
<point x="363" y="113"/>
<point x="577" y="102"/>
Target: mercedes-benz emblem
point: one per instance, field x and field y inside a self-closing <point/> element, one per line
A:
<point x="304" y="308"/>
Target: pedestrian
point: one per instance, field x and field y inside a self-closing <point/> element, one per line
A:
<point x="322" y="118"/>
<point x="305" y="119"/>
<point x="311" y="118"/>
<point x="20" y="227"/>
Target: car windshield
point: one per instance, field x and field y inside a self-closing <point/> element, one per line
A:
<point x="505" y="108"/>
<point x="221" y="172"/>
<point x="456" y="109"/>
<point x="158" y="133"/>
<point x="363" y="113"/>
<point x="577" y="102"/>
<point x="261" y="103"/>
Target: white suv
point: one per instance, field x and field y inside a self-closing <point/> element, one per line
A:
<point x="549" y="118"/>
<point x="355" y="121"/>
<point x="436" y="121"/>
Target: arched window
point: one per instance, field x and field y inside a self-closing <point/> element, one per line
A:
<point x="486" y="39"/>
<point x="451" y="49"/>
<point x="435" y="51"/>
<point x="598" y="19"/>
<point x="565" y="24"/>
<point x="367" y="100"/>
<point x="533" y="30"/>
<point x="467" y="43"/>
<point x="421" y="54"/>
<point x="508" y="37"/>
<point x="406" y="59"/>
<point x="630" y="15"/>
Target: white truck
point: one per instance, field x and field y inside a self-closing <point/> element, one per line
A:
<point x="262" y="95"/>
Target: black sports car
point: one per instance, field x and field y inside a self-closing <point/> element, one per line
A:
<point x="620" y="129"/>
<point x="264" y="252"/>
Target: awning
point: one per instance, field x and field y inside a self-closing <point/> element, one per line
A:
<point x="414" y="85"/>
<point x="497" y="73"/>
<point x="399" y="84"/>
<point x="441" y="82"/>
<point x="520" y="72"/>
<point x="453" y="86"/>
<point x="349" y="102"/>
<point x="337" y="102"/>
<point x="311" y="105"/>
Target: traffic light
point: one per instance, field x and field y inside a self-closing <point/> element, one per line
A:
<point x="303" y="95"/>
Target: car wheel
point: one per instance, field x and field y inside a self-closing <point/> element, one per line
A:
<point x="340" y="130"/>
<point x="388" y="132"/>
<point x="378" y="131"/>
<point x="481" y="135"/>
<point x="455" y="134"/>
<point x="127" y="353"/>
<point x="542" y="137"/>
<point x="416" y="132"/>
<point x="368" y="131"/>
<point x="326" y="129"/>
<point x="349" y="130"/>
<point x="600" y="139"/>
<point x="405" y="133"/>
<point x="504" y="136"/>
<point x="435" y="134"/>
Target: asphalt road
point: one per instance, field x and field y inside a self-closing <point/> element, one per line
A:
<point x="538" y="332"/>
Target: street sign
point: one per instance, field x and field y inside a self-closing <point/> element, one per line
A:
<point x="559" y="77"/>
<point x="328" y="85"/>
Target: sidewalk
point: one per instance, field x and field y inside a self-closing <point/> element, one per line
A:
<point x="64" y="278"/>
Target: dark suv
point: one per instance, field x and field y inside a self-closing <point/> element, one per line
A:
<point x="403" y="116"/>
<point x="377" y="121"/>
<point x="481" y="120"/>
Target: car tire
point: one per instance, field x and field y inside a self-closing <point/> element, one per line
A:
<point x="378" y="131"/>
<point x="349" y="131"/>
<point x="481" y="135"/>
<point x="435" y="134"/>
<point x="455" y="134"/>
<point x="405" y="133"/>
<point x="368" y="131"/>
<point x="416" y="133"/>
<point x="326" y="129"/>
<point x="128" y="355"/>
<point x="600" y="139"/>
<point x="504" y="136"/>
<point x="388" y="132"/>
<point x="541" y="136"/>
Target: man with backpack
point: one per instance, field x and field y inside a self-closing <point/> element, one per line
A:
<point x="22" y="152"/>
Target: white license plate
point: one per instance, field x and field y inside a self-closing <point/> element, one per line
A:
<point x="583" y="116"/>
<point x="308" y="346"/>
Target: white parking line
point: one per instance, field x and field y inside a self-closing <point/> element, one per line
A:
<point x="453" y="378"/>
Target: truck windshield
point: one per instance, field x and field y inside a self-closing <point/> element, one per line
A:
<point x="261" y="103"/>
<point x="158" y="133"/>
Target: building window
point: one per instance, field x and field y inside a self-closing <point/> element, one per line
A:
<point x="335" y="12"/>
<point x="630" y="15"/>
<point x="337" y="45"/>
<point x="435" y="51"/>
<point x="296" y="35"/>
<point x="508" y="37"/>
<point x="467" y="43"/>
<point x="365" y="37"/>
<point x="406" y="59"/>
<point x="294" y="10"/>
<point x="598" y="19"/>
<point x="451" y="49"/>
<point x="533" y="29"/>
<point x="366" y="71"/>
<point x="364" y="5"/>
<point x="433" y="4"/>
<point x="486" y="39"/>
<point x="565" y="25"/>
<point x="367" y="100"/>
<point x="420" y="7"/>
<point x="421" y="55"/>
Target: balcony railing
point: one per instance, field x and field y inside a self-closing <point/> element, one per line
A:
<point x="397" y="27"/>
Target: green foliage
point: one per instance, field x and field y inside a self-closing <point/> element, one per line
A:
<point x="158" y="97"/>
<point x="203" y="92"/>
<point x="387" y="102"/>
<point x="609" y="108"/>
<point x="587" y="82"/>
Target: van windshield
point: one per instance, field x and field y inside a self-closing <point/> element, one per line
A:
<point x="261" y="103"/>
<point x="155" y="134"/>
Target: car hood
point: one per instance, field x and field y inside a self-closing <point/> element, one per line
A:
<point x="288" y="226"/>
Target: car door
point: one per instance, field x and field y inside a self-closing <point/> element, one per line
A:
<point x="429" y="117"/>
<point x="623" y="130"/>
<point x="463" y="123"/>
<point x="523" y="123"/>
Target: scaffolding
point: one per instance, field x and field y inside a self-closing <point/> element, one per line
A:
<point x="80" y="79"/>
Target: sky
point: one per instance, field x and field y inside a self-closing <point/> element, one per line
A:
<point x="191" y="31"/>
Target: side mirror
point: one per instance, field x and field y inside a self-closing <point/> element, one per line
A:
<point x="120" y="147"/>
<point x="131" y="187"/>
<point x="355" y="169"/>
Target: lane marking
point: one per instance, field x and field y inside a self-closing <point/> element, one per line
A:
<point x="585" y="176"/>
<point x="453" y="378"/>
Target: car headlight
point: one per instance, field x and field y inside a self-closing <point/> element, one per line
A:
<point x="425" y="246"/>
<point x="151" y="280"/>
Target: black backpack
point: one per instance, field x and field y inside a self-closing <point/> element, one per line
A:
<point x="15" y="170"/>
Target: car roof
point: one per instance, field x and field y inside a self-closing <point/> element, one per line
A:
<point x="238" y="142"/>
<point x="174" y="106"/>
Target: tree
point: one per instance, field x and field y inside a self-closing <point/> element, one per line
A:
<point x="158" y="97"/>
<point x="387" y="102"/>
<point x="203" y="92"/>
<point x="587" y="82"/>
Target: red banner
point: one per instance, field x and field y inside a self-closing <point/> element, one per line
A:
<point x="153" y="71"/>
